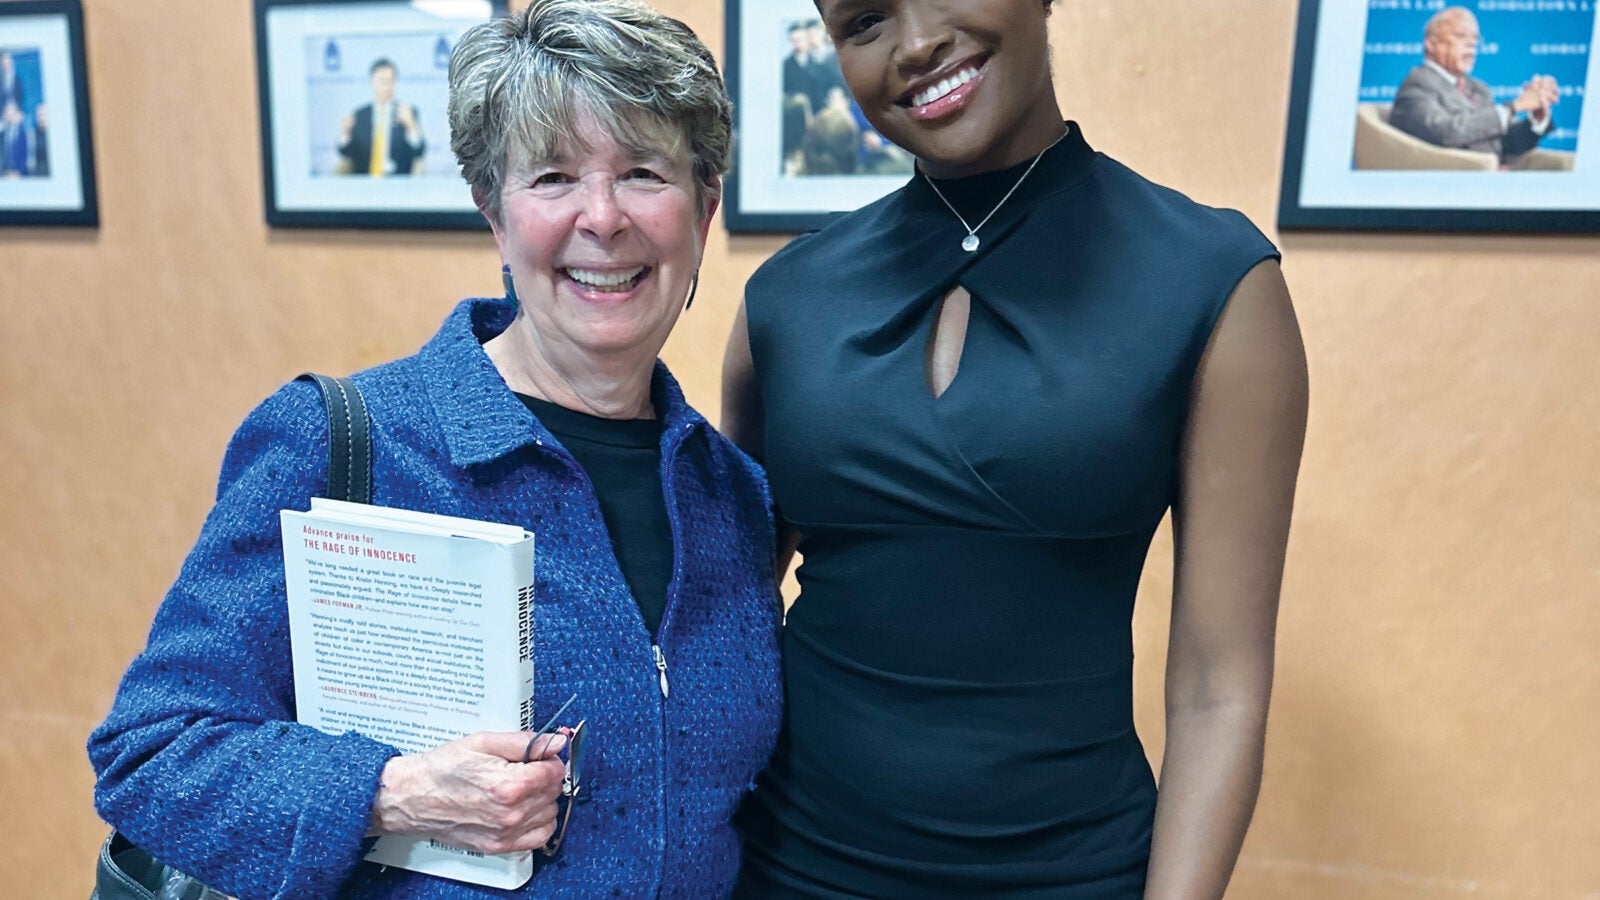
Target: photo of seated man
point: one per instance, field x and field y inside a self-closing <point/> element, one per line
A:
<point x="1443" y="117"/>
<point x="1443" y="104"/>
<point x="383" y="137"/>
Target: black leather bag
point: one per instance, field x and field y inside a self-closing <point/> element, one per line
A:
<point x="124" y="870"/>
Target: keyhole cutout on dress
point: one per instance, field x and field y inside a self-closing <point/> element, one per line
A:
<point x="948" y="340"/>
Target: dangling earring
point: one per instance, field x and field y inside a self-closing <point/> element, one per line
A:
<point x="511" y="288"/>
<point x="694" y="288"/>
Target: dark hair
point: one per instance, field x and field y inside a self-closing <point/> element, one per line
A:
<point x="383" y="62"/>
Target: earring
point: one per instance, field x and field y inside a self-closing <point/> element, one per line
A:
<point x="511" y="288"/>
<point x="694" y="288"/>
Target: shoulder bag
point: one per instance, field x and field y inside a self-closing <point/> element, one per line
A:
<point x="127" y="872"/>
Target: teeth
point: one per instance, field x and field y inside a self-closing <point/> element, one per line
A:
<point x="604" y="279"/>
<point x="943" y="88"/>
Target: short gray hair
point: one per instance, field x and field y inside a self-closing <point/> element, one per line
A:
<point x="645" y="78"/>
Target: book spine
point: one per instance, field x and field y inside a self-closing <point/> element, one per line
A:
<point x="525" y="656"/>
<point x="525" y="562"/>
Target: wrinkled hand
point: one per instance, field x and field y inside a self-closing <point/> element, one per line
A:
<point x="1539" y="93"/>
<point x="474" y="793"/>
<point x="1530" y="99"/>
<point x="1549" y="88"/>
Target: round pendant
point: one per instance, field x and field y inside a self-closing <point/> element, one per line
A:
<point x="969" y="243"/>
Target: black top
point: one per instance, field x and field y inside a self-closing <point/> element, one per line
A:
<point x="622" y="458"/>
<point x="958" y="665"/>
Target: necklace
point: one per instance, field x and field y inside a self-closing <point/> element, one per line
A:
<point x="970" y="243"/>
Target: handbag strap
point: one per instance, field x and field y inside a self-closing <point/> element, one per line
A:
<point x="349" y="439"/>
<point x="126" y="871"/>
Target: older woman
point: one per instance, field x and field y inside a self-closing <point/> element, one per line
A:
<point x="593" y="133"/>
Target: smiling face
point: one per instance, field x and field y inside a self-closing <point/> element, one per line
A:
<point x="963" y="84"/>
<point x="1452" y="40"/>
<point x="602" y="246"/>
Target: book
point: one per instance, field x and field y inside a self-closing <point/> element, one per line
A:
<point x="413" y="629"/>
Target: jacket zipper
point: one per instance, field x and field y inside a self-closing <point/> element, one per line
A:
<point x="669" y="464"/>
<point x="658" y="656"/>
<point x="661" y="668"/>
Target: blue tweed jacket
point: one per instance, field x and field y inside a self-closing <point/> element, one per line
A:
<point x="201" y="762"/>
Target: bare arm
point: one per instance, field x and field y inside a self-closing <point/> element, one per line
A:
<point x="745" y="422"/>
<point x="1240" y="456"/>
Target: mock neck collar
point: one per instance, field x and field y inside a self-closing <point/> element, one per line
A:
<point x="975" y="196"/>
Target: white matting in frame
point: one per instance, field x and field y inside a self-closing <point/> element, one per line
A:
<point x="303" y="104"/>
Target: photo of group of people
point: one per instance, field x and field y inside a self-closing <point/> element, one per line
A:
<point x="823" y="130"/>
<point x="24" y="126"/>
<point x="1482" y="85"/>
<point x="372" y="101"/>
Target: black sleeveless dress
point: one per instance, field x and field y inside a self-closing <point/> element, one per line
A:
<point x="958" y="665"/>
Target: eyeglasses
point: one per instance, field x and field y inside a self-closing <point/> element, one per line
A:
<point x="571" y="783"/>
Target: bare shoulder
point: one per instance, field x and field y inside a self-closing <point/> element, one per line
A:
<point x="1257" y="336"/>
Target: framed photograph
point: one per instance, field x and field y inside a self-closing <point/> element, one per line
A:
<point x="46" y="143"/>
<point x="1443" y="115"/>
<point x="803" y="152"/>
<point x="354" y="132"/>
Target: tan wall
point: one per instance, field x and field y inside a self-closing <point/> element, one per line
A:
<point x="1435" y="724"/>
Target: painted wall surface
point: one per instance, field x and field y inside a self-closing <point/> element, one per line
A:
<point x="1435" y="722"/>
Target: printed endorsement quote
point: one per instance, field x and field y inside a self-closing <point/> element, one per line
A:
<point x="413" y="629"/>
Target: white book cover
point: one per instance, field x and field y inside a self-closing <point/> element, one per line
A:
<point x="413" y="629"/>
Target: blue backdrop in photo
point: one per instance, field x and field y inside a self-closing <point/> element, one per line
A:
<point x="338" y="81"/>
<point x="1521" y="38"/>
<point x="26" y="63"/>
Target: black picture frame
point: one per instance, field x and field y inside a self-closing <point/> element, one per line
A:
<point x="308" y="162"/>
<point x="1347" y="168"/>
<point x="769" y="190"/>
<point x="50" y="179"/>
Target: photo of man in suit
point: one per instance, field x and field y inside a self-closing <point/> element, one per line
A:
<point x="1441" y="103"/>
<point x="797" y="75"/>
<point x="16" y="142"/>
<point x="41" y="143"/>
<point x="383" y="137"/>
<point x="10" y="84"/>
